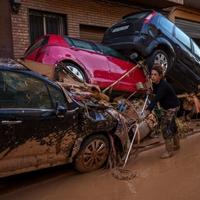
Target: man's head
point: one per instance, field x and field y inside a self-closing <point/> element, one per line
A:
<point x="156" y="73"/>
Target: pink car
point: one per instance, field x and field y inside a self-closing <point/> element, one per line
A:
<point x="91" y="62"/>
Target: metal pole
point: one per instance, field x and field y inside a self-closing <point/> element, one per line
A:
<point x="129" y="150"/>
<point x="145" y="103"/>
<point x="135" y="133"/>
<point x="110" y="86"/>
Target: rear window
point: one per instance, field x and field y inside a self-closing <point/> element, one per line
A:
<point x="137" y="16"/>
<point x="121" y="28"/>
<point x="80" y="44"/>
<point x="41" y="42"/>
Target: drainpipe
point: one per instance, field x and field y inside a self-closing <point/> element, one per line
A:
<point x="6" y="45"/>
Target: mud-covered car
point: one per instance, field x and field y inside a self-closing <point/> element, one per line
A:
<point x="42" y="125"/>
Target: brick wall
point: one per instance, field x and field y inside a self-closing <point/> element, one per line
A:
<point x="90" y="12"/>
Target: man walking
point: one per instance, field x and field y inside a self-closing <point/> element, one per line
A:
<point x="166" y="97"/>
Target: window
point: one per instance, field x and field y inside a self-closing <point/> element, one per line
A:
<point x="1" y="84"/>
<point x="42" y="23"/>
<point x="57" y="97"/>
<point x="121" y="28"/>
<point x="23" y="91"/>
<point x="92" y="33"/>
<point x="182" y="37"/>
<point x="110" y="52"/>
<point x="80" y="44"/>
<point x="166" y="25"/>
<point x="196" y="49"/>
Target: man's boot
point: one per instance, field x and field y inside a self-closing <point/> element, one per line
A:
<point x="176" y="141"/>
<point x="168" y="149"/>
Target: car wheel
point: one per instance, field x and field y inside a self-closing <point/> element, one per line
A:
<point x="160" y="57"/>
<point x="92" y="154"/>
<point x="76" y="71"/>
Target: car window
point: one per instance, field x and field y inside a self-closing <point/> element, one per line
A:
<point x="23" y="91"/>
<point x="80" y="44"/>
<point x="166" y="25"/>
<point x="57" y="96"/>
<point x="121" y="28"/>
<point x="41" y="42"/>
<point x="182" y="37"/>
<point x="1" y="84"/>
<point x="110" y="52"/>
<point x="196" y="49"/>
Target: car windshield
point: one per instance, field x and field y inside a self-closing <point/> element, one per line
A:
<point x="110" y="52"/>
<point x="137" y="16"/>
<point x="80" y="44"/>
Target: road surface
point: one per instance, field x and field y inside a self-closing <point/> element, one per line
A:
<point x="177" y="178"/>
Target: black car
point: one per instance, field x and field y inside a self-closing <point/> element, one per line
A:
<point x="158" y="40"/>
<point x="41" y="125"/>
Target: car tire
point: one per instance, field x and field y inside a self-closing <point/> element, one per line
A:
<point x="93" y="153"/>
<point x="76" y="71"/>
<point x="160" y="57"/>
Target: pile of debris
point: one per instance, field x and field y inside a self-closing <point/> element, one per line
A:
<point x="90" y="96"/>
<point x="126" y="111"/>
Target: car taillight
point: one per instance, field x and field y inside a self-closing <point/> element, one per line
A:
<point x="149" y="17"/>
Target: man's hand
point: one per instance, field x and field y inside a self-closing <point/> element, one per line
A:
<point x="144" y="115"/>
<point x="149" y="91"/>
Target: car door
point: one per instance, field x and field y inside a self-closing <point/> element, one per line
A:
<point x="116" y="67"/>
<point x="183" y="49"/>
<point x="119" y="65"/>
<point x="184" y="63"/>
<point x="196" y="66"/>
<point x="196" y="52"/>
<point x="31" y="128"/>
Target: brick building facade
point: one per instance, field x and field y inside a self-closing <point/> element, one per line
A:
<point x="87" y="12"/>
<point x="86" y="19"/>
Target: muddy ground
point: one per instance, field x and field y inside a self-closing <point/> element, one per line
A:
<point x="172" y="179"/>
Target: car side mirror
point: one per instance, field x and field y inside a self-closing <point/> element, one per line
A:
<point x="60" y="111"/>
<point x="133" y="56"/>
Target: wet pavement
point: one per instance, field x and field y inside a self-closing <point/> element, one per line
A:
<point x="177" y="178"/>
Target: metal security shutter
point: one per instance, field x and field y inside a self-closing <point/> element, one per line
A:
<point x="92" y="33"/>
<point x="190" y="27"/>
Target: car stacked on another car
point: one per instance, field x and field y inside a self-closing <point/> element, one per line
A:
<point x="42" y="125"/>
<point x="91" y="62"/>
<point x="158" y="40"/>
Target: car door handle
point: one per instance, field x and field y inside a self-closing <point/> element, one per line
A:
<point x="7" y="122"/>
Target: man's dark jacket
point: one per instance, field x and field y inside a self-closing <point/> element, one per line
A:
<point x="165" y="95"/>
